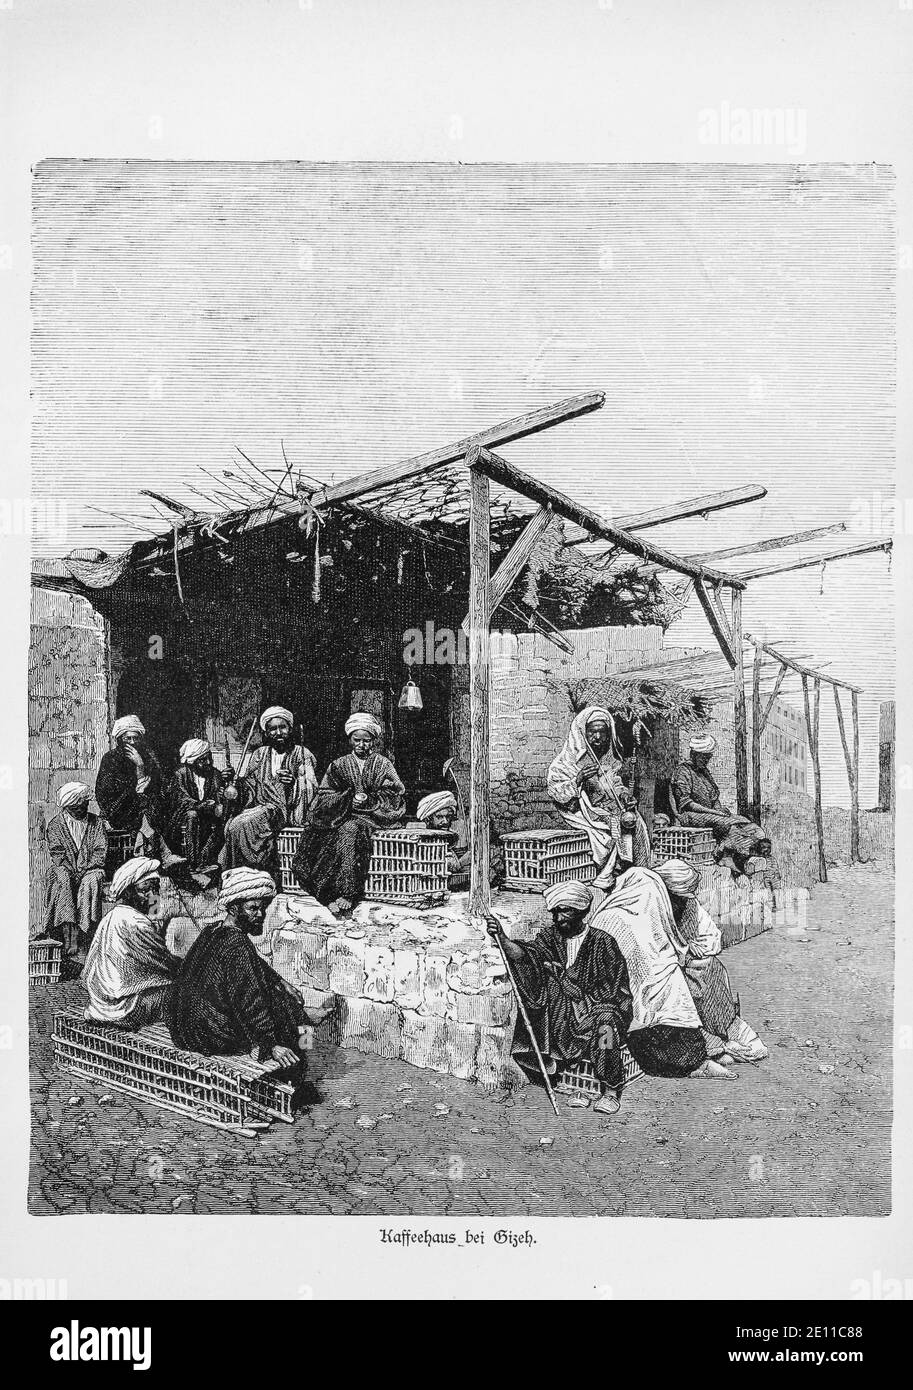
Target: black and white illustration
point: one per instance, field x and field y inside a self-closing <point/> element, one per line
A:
<point x="461" y="689"/>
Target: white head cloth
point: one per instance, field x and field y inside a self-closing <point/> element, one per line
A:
<point x="134" y="871"/>
<point x="363" y="722"/>
<point x="71" y="793"/>
<point x="194" y="748"/>
<point x="570" y="894"/>
<point x="238" y="884"/>
<point x="276" y="712"/>
<point x="436" y="801"/>
<point x="680" y="878"/>
<point x="128" y="724"/>
<point x="702" y="743"/>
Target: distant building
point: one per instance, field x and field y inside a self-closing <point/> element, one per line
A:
<point x="786" y="743"/>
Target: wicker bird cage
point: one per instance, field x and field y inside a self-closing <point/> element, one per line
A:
<point x="692" y="843"/>
<point x="581" y="1078"/>
<point x="409" y="867"/>
<point x="535" y="859"/>
<point x="45" y="961"/>
<point x="228" y="1092"/>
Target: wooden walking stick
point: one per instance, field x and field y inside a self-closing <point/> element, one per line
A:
<point x="490" y="917"/>
<point x="250" y="734"/>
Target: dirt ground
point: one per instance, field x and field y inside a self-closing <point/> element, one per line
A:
<point x="806" y="1133"/>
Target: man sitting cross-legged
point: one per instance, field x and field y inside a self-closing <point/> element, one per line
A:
<point x="128" y="969"/>
<point x="574" y="987"/>
<point x="226" y="998"/>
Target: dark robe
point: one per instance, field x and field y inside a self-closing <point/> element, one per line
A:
<point x="264" y="807"/>
<point x="227" y="999"/>
<point x="578" y="1013"/>
<point x="122" y="806"/>
<point x="73" y="902"/>
<point x="200" y="829"/>
<point x="335" y="850"/>
<point x="697" y="798"/>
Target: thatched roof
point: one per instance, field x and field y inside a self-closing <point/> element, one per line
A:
<point x="643" y="700"/>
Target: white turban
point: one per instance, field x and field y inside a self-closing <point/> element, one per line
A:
<point x="71" y="793"/>
<point x="276" y="712"/>
<point x="702" y="743"/>
<point x="437" y="801"/>
<point x="238" y="884"/>
<point x="129" y="724"/>
<point x="570" y="894"/>
<point x="194" y="748"/>
<point x="680" y="878"/>
<point x="134" y="871"/>
<point x="366" y="722"/>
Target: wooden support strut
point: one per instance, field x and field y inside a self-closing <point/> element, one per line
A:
<point x="811" y="725"/>
<point x="720" y="628"/>
<point x="513" y="562"/>
<point x="852" y="772"/>
<point x="756" y="731"/>
<point x="740" y="732"/>
<point x="479" y="618"/>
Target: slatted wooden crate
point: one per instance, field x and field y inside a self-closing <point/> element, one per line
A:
<point x="535" y="859"/>
<point x="692" y="843"/>
<point x="288" y="847"/>
<point x="45" y="961"/>
<point x="409" y="867"/>
<point x="230" y="1093"/>
<point x="120" y="848"/>
<point x="581" y="1078"/>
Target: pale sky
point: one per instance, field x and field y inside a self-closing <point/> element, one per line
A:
<point x="739" y="320"/>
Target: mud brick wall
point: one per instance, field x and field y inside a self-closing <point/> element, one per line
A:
<point x="67" y="712"/>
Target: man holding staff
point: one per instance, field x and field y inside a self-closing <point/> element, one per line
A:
<point x="573" y="985"/>
<point x="272" y="792"/>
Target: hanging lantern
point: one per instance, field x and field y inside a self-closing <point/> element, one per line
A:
<point x="411" y="696"/>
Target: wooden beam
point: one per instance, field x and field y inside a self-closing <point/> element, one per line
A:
<point x="739" y="720"/>
<point x="720" y="631"/>
<point x="679" y="511"/>
<point x="811" y="727"/>
<point x="781" y="675"/>
<point x="794" y="665"/>
<point x="479" y="770"/>
<point x="852" y="774"/>
<point x="886" y="724"/>
<point x="854" y="790"/>
<point x="513" y="562"/>
<point x="867" y="548"/>
<point x="505" y="433"/>
<point x="772" y="543"/>
<point x="756" y="727"/>
<point x="500" y="471"/>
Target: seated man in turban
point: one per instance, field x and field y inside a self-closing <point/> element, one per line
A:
<point x="665" y="1037"/>
<point x="438" y="811"/>
<point x="128" y="789"/>
<point x="78" y="846"/>
<point x="195" y="804"/>
<point x="696" y="798"/>
<point x="696" y="938"/>
<point x="273" y="792"/>
<point x="584" y="782"/>
<point x="574" y="987"/>
<point x="226" y="998"/>
<point x="128" y="970"/>
<point x="360" y="793"/>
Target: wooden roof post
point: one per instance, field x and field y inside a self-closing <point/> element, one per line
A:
<point x="757" y="726"/>
<point x="852" y="771"/>
<point x="740" y="732"/>
<point x="811" y="725"/>
<point x="479" y="682"/>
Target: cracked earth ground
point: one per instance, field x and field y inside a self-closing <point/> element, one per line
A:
<point x="807" y="1133"/>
